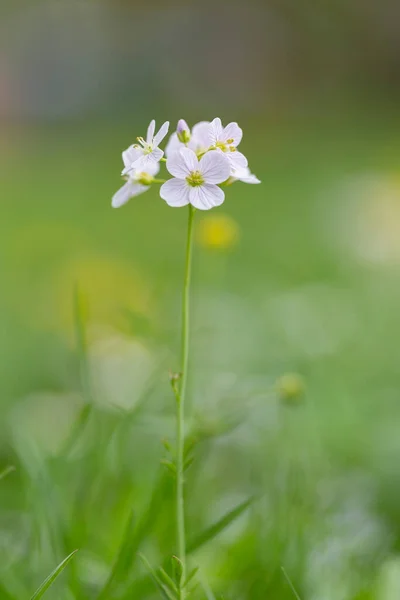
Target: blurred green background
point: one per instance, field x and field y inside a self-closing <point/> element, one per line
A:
<point x="294" y="383"/>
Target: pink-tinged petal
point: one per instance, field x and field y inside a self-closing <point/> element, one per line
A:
<point x="190" y="158"/>
<point x="237" y="160"/>
<point x="174" y="145"/>
<point x="130" y="155"/>
<point x="232" y="132"/>
<point x="182" y="126"/>
<point x="215" y="167"/>
<point x="215" y="131"/>
<point x="200" y="136"/>
<point x="158" y="138"/>
<point x="175" y="192"/>
<point x="127" y="191"/>
<point x="176" y="165"/>
<point x="152" y="168"/>
<point x="206" y="196"/>
<point x="150" y="131"/>
<point x="244" y="175"/>
<point x="147" y="160"/>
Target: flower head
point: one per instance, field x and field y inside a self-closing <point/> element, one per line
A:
<point x="147" y="149"/>
<point x="197" y="140"/>
<point x="226" y="139"/>
<point x="137" y="181"/>
<point x="195" y="181"/>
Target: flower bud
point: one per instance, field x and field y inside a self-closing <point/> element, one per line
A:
<point x="183" y="131"/>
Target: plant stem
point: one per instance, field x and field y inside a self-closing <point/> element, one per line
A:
<point x="180" y="408"/>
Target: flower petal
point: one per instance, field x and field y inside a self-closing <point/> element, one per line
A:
<point x="150" y="131"/>
<point x="174" y="145"/>
<point x="182" y="163"/>
<point x="232" y="132"/>
<point x="237" y="160"/>
<point x="200" y="139"/>
<point x="175" y="192"/>
<point x="129" y="156"/>
<point x="144" y="162"/>
<point x="128" y="190"/>
<point x="206" y="196"/>
<point x="152" y="168"/>
<point x="244" y="175"/>
<point x="158" y="138"/>
<point x="215" y="167"/>
<point x="215" y="131"/>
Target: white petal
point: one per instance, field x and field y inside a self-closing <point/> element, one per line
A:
<point x="232" y="132"/>
<point x="152" y="168"/>
<point x="150" y="131"/>
<point x="215" y="167"/>
<point x="145" y="161"/>
<point x="158" y="138"/>
<point x="250" y="179"/>
<point x="206" y="196"/>
<point x="215" y="130"/>
<point x="130" y="155"/>
<point x="200" y="136"/>
<point x="174" y="145"/>
<point x="245" y="175"/>
<point x="127" y="191"/>
<point x="237" y="159"/>
<point x="175" y="192"/>
<point x="182" y="163"/>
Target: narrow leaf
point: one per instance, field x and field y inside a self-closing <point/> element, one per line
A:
<point x="163" y="575"/>
<point x="212" y="531"/>
<point x="286" y="576"/>
<point x="169" y="465"/>
<point x="165" y="592"/>
<point x="51" y="578"/>
<point x="191" y="575"/>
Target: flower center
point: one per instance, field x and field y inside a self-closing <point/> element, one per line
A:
<point x="225" y="147"/>
<point x="147" y="148"/>
<point x="195" y="178"/>
<point x="144" y="178"/>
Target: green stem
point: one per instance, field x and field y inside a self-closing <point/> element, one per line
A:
<point x="180" y="409"/>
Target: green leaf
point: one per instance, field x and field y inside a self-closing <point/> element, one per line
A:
<point x="190" y="577"/>
<point x="6" y="471"/>
<point x="164" y="591"/>
<point x="51" y="578"/>
<point x="177" y="569"/>
<point x="212" y="531"/>
<point x="163" y="575"/>
<point x="169" y="465"/>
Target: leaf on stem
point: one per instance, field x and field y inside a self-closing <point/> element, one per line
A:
<point x="286" y="576"/>
<point x="165" y="592"/>
<point x="51" y="578"/>
<point x="216" y="528"/>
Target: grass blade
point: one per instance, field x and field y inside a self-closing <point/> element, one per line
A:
<point x="52" y="577"/>
<point x="217" y="527"/>
<point x="286" y="576"/>
<point x="164" y="591"/>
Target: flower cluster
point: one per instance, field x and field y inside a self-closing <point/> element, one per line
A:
<point x="201" y="161"/>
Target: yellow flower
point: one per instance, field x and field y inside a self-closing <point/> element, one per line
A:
<point x="218" y="232"/>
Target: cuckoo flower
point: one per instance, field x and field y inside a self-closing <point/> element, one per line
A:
<point x="148" y="151"/>
<point x="226" y="139"/>
<point x="137" y="181"/>
<point x="197" y="140"/>
<point x="195" y="181"/>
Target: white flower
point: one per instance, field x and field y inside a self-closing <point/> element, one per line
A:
<point x="137" y="181"/>
<point x="195" y="181"/>
<point x="226" y="139"/>
<point x="148" y="151"/>
<point x="244" y="174"/>
<point x="198" y="139"/>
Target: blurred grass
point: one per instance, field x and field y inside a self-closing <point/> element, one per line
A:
<point x="296" y="291"/>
